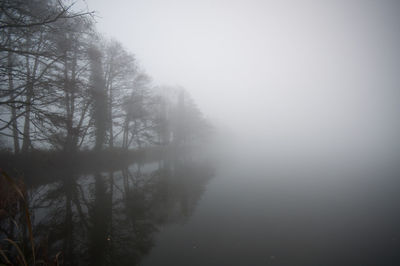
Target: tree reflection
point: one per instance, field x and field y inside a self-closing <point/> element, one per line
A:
<point x="111" y="218"/>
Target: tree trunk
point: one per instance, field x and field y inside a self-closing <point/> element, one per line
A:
<point x="12" y="105"/>
<point x="126" y="133"/>
<point x="31" y="76"/>
<point x="26" y="141"/>
<point x="110" y="119"/>
<point x="99" y="92"/>
<point x="69" y="88"/>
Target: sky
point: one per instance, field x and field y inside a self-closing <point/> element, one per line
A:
<point x="292" y="73"/>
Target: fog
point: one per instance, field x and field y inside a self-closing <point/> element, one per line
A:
<point x="307" y="77"/>
<point x="201" y="133"/>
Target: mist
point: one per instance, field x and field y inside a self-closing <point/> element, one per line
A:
<point x="210" y="132"/>
<point x="301" y="76"/>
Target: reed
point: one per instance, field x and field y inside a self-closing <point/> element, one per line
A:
<point x="21" y="258"/>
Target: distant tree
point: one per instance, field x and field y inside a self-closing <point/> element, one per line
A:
<point x="120" y="70"/>
<point x="99" y="94"/>
<point x="136" y="126"/>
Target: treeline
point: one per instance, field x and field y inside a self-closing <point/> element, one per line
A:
<point x="65" y="87"/>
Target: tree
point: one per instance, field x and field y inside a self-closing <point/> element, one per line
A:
<point x="120" y="70"/>
<point x="99" y="94"/>
<point x="29" y="29"/>
<point x="64" y="86"/>
<point x="25" y="15"/>
<point x="136" y="121"/>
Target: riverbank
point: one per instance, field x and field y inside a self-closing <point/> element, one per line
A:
<point x="31" y="166"/>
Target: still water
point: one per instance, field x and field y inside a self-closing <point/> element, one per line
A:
<point x="257" y="211"/>
<point x="241" y="209"/>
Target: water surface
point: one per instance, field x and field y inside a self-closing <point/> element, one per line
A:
<point x="236" y="209"/>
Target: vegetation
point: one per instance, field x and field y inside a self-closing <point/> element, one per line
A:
<point x="64" y="87"/>
<point x="74" y="104"/>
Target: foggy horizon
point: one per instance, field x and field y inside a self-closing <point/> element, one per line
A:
<point x="317" y="75"/>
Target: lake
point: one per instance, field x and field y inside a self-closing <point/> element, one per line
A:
<point x="234" y="208"/>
